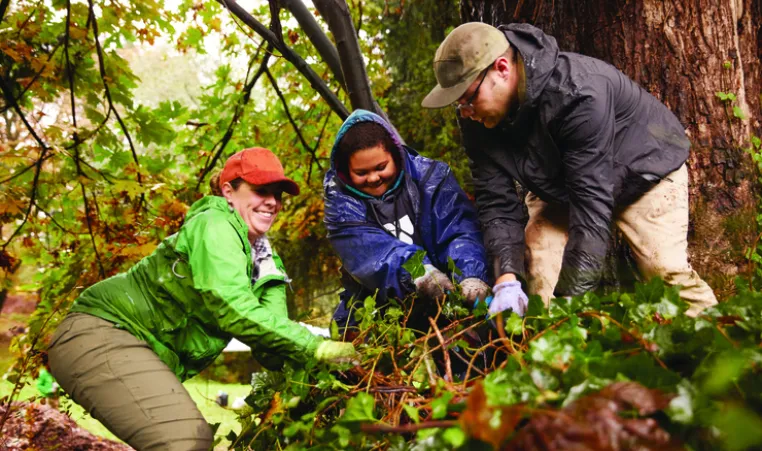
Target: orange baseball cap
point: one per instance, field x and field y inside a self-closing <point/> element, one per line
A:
<point x="257" y="166"/>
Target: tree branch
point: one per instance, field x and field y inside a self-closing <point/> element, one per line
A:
<point x="291" y="119"/>
<point x="220" y="146"/>
<point x="290" y="55"/>
<point x="3" y="7"/>
<point x="408" y="428"/>
<point x="336" y="14"/>
<point x="102" y="69"/>
<point x="7" y="106"/>
<point x="317" y="37"/>
<point x="317" y="146"/>
<point x="53" y="220"/>
<point x="38" y="169"/>
<point x="70" y="73"/>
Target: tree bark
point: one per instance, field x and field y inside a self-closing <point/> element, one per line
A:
<point x="683" y="52"/>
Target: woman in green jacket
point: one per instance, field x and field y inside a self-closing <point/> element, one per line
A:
<point x="129" y="341"/>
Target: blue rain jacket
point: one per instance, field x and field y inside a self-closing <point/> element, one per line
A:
<point x="446" y="223"/>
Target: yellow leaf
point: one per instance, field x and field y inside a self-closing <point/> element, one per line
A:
<point x="12" y="206"/>
<point x="138" y="251"/>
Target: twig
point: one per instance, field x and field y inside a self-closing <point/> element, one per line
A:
<point x="448" y="366"/>
<point x="408" y="428"/>
<point x="291" y="119"/>
<point x="102" y="70"/>
<point x="44" y="149"/>
<point x="220" y="146"/>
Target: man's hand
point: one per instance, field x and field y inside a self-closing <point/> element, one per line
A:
<point x="509" y="295"/>
<point x="434" y="284"/>
<point x="474" y="289"/>
<point x="330" y="351"/>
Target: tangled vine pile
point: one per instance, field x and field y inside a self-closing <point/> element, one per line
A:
<point x="622" y="371"/>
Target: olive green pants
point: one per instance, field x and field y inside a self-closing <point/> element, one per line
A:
<point x="655" y="226"/>
<point x="121" y="382"/>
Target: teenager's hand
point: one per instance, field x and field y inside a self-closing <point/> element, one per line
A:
<point x="474" y="289"/>
<point x="509" y="296"/>
<point x="330" y="351"/>
<point x="434" y="284"/>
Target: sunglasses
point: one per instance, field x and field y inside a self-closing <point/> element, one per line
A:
<point x="468" y="106"/>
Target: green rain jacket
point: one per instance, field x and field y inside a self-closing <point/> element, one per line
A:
<point x="194" y="293"/>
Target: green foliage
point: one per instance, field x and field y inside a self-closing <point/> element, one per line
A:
<point x="706" y="371"/>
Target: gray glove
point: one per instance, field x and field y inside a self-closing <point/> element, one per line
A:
<point x="434" y="284"/>
<point x="473" y="289"/>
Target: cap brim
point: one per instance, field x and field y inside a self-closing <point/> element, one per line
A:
<point x="289" y="186"/>
<point x="440" y="97"/>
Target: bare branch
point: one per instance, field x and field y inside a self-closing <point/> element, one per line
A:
<point x="317" y="146"/>
<point x="7" y="106"/>
<point x="23" y="171"/>
<point x="291" y="119"/>
<point x="70" y="73"/>
<point x="290" y="55"/>
<point x="317" y="37"/>
<point x="102" y="68"/>
<point x="220" y="146"/>
<point x="53" y="220"/>
<point x="3" y="7"/>
<point x="38" y="166"/>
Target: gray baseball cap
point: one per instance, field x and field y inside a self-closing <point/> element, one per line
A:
<point x="464" y="53"/>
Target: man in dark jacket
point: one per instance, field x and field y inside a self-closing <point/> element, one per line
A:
<point x="590" y="146"/>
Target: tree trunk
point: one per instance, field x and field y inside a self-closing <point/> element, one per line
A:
<point x="683" y="52"/>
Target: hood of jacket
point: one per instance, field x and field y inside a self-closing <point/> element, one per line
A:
<point x="539" y="53"/>
<point x="399" y="153"/>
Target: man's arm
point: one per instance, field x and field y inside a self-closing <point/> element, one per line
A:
<point x="585" y="133"/>
<point x="500" y="211"/>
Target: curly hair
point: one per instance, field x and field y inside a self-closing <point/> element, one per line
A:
<point x="363" y="136"/>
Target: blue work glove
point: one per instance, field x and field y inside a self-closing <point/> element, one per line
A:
<point x="509" y="296"/>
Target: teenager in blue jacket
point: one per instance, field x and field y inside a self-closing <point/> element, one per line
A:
<point x="383" y="203"/>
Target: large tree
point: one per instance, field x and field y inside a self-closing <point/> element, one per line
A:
<point x="702" y="59"/>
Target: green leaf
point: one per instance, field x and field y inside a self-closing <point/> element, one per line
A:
<point x="414" y="265"/>
<point x="514" y="325"/>
<point x="440" y="404"/>
<point x="359" y="409"/>
<point x="452" y="268"/>
<point x="412" y="412"/>
<point x="738" y="112"/>
<point x="455" y="437"/>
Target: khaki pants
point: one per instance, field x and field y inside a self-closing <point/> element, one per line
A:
<point x="121" y="382"/>
<point x="655" y="226"/>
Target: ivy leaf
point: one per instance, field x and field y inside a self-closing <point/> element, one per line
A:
<point x="452" y="268"/>
<point x="359" y="410"/>
<point x="414" y="264"/>
<point x="440" y="404"/>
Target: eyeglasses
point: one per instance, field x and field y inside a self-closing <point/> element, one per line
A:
<point x="468" y="106"/>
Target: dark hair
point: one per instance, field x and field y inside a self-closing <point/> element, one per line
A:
<point x="363" y="136"/>
<point x="214" y="183"/>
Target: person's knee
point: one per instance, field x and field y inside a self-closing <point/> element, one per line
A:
<point x="181" y="435"/>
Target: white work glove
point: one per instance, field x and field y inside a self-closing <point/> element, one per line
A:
<point x="509" y="296"/>
<point x="433" y="284"/>
<point x="474" y="289"/>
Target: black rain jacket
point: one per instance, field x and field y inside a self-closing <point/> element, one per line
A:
<point x="585" y="136"/>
